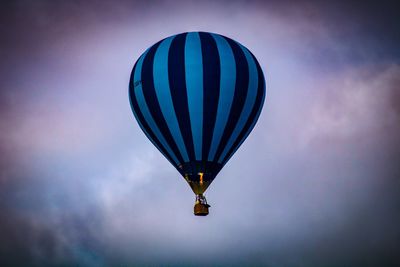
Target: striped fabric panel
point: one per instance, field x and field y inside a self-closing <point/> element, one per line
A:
<point x="241" y="85"/>
<point x="143" y="116"/>
<point x="254" y="115"/>
<point x="163" y="92"/>
<point x="177" y="85"/>
<point x="150" y="98"/>
<point x="248" y="105"/>
<point x="226" y="91"/>
<point x="194" y="89"/>
<point x="211" y="82"/>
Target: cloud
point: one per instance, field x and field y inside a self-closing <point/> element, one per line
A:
<point x="316" y="183"/>
<point x="355" y="104"/>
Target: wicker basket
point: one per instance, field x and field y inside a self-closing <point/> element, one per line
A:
<point x="200" y="209"/>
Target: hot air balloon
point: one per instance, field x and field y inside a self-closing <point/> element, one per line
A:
<point x="197" y="96"/>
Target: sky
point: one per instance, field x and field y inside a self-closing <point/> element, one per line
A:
<point x="315" y="184"/>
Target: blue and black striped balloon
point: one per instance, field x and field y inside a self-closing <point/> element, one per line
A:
<point x="197" y="96"/>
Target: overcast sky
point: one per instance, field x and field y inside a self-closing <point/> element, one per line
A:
<point x="317" y="183"/>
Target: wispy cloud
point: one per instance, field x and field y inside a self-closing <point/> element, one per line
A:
<point x="315" y="183"/>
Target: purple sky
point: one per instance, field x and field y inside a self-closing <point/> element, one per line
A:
<point x="316" y="183"/>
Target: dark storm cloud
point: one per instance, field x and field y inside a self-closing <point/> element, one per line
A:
<point x="316" y="184"/>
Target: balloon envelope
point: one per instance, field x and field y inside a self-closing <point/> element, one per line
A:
<point x="197" y="96"/>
